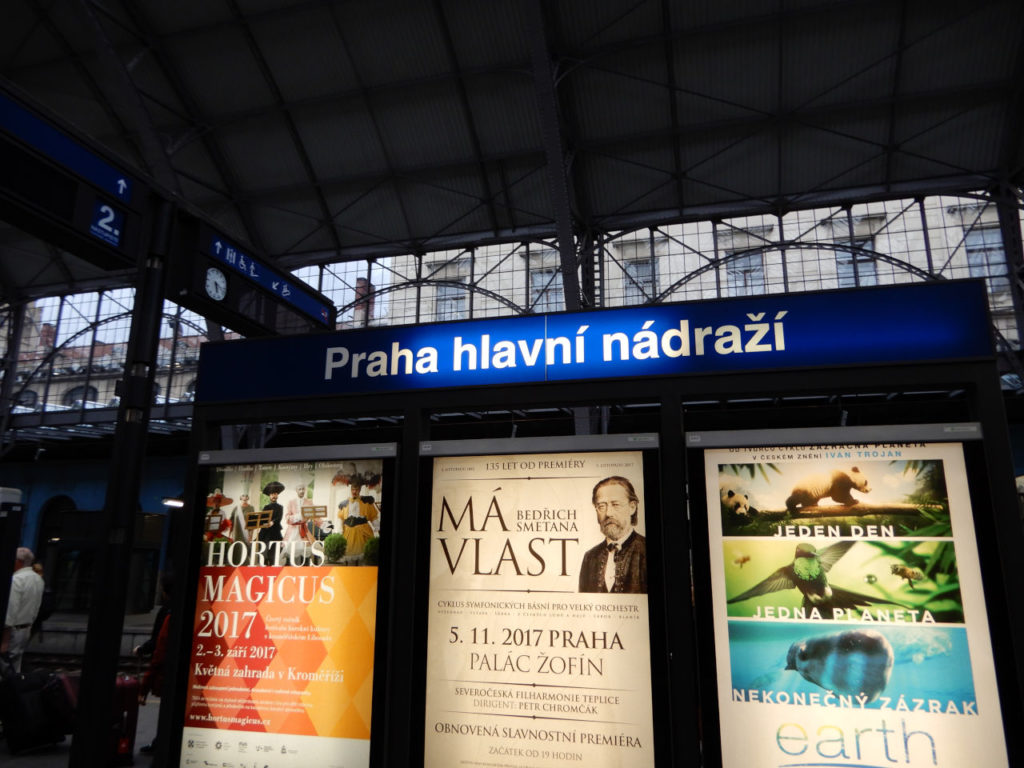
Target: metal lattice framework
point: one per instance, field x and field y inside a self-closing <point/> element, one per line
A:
<point x="51" y="418"/>
<point x="322" y="132"/>
<point x="922" y="239"/>
<point x="521" y="156"/>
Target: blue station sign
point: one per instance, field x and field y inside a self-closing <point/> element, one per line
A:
<point x="897" y="324"/>
<point x="285" y="287"/>
<point x="59" y="187"/>
<point x="62" y="149"/>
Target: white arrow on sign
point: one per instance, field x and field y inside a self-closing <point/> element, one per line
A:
<point x="217" y="246"/>
<point x="122" y="185"/>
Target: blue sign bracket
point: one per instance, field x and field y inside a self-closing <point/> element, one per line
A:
<point x="50" y="141"/>
<point x="285" y="287"/>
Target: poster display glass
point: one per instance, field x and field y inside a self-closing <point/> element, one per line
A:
<point x="538" y="649"/>
<point x="850" y="623"/>
<point x="281" y="665"/>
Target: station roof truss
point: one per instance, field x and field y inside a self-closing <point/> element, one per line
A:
<point x="321" y="131"/>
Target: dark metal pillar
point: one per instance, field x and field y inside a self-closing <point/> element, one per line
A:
<point x="589" y="419"/>
<point x="91" y="746"/>
<point x="1008" y="208"/>
<point x="554" y="150"/>
<point x="183" y="554"/>
<point x="1003" y="593"/>
<point x="12" y="514"/>
<point x="684" y="710"/>
<point x="590" y="253"/>
<point x="10" y="366"/>
<point x="399" y="739"/>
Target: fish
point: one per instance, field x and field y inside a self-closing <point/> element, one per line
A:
<point x="857" y="662"/>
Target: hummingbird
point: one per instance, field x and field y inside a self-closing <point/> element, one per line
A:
<point x="808" y="573"/>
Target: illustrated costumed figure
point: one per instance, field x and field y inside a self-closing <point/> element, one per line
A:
<point x="307" y="499"/>
<point x="218" y="522"/>
<point x="340" y="483"/>
<point x="271" y="530"/>
<point x="294" y="524"/>
<point x="372" y="486"/>
<point x="242" y="511"/>
<point x="356" y="514"/>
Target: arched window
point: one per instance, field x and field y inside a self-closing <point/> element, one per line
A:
<point x="77" y="396"/>
<point x="51" y="521"/>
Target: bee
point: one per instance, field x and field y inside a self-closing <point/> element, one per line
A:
<point x="908" y="573"/>
<point x="741" y="559"/>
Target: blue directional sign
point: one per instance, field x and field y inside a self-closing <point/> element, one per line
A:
<point x="62" y="149"/>
<point x="56" y="185"/>
<point x="107" y="223"/>
<point x="890" y="325"/>
<point x="286" y="287"/>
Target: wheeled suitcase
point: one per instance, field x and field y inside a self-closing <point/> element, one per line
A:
<point x="27" y="721"/>
<point x="61" y="695"/>
<point x="124" y="721"/>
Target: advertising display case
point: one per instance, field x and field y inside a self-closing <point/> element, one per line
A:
<point x="850" y="623"/>
<point x="284" y="629"/>
<point x="538" y="644"/>
<point x="817" y="595"/>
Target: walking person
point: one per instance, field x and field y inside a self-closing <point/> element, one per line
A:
<point x="22" y="607"/>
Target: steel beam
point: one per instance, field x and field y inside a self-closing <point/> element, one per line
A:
<point x="109" y="596"/>
<point x="554" y="150"/>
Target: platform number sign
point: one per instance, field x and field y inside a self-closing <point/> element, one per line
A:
<point x="107" y="223"/>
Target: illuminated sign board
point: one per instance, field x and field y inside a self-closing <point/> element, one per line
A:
<point x="60" y="189"/>
<point x="896" y="324"/>
<point x="850" y="623"/>
<point x="281" y="659"/>
<point x="287" y="288"/>
<point x="214" y="276"/>
<point x="538" y="642"/>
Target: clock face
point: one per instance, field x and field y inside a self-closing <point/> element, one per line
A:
<point x="216" y="284"/>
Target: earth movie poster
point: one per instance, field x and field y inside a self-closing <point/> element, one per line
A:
<point x="281" y="666"/>
<point x="538" y="649"/>
<point x="850" y="625"/>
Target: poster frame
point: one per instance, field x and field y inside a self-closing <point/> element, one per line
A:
<point x="645" y="443"/>
<point x="208" y="461"/>
<point x="669" y="405"/>
<point x="969" y="435"/>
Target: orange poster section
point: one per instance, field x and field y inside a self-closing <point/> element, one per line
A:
<point x="286" y="650"/>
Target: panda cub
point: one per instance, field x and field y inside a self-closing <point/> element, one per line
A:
<point x="735" y="503"/>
